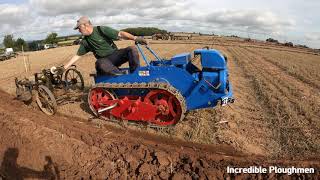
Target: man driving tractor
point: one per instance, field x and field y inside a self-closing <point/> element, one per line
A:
<point x="99" y="41"/>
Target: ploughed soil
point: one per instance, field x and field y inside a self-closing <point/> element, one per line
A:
<point x="34" y="145"/>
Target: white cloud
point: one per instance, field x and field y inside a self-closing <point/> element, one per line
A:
<point x="13" y="14"/>
<point x="110" y="7"/>
<point x="37" y="18"/>
<point x="251" y="20"/>
<point x="314" y="36"/>
<point x="13" y="18"/>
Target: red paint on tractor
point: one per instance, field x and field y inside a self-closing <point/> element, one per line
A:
<point x="158" y="106"/>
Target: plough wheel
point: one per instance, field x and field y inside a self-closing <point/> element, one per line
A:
<point x="74" y="79"/>
<point x="46" y="100"/>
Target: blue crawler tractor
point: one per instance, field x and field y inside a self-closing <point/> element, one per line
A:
<point x="162" y="91"/>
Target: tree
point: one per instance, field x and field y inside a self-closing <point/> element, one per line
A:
<point x="51" y="38"/>
<point x="34" y="45"/>
<point x="290" y="44"/>
<point x="272" y="40"/>
<point x="19" y="43"/>
<point x="8" y="41"/>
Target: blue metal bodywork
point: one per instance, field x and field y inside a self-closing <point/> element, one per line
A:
<point x="201" y="88"/>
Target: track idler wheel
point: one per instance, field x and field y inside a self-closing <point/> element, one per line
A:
<point x="97" y="99"/>
<point x="169" y="109"/>
<point x="46" y="100"/>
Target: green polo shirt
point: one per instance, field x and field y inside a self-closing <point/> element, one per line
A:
<point x="98" y="45"/>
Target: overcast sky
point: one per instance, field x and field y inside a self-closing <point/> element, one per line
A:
<point x="287" y="20"/>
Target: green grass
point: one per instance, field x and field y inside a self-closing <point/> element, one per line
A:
<point x="73" y="37"/>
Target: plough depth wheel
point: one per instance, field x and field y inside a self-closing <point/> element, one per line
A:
<point x="46" y="100"/>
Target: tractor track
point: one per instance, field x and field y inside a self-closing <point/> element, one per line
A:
<point x="153" y="85"/>
<point x="70" y="148"/>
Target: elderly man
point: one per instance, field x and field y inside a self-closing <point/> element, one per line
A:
<point x="99" y="40"/>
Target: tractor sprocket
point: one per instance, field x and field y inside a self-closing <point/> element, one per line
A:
<point x="168" y="107"/>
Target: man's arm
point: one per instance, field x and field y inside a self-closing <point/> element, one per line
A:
<point x="127" y="36"/>
<point x="74" y="59"/>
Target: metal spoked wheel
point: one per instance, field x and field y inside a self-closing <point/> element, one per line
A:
<point x="74" y="80"/>
<point x="46" y="100"/>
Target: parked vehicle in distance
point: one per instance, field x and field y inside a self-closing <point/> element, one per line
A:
<point x="8" y="53"/>
<point x="49" y="46"/>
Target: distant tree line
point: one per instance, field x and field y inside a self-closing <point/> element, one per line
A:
<point x="144" y="31"/>
<point x="51" y="38"/>
<point x="272" y="40"/>
<point x="289" y="44"/>
<point x="17" y="45"/>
